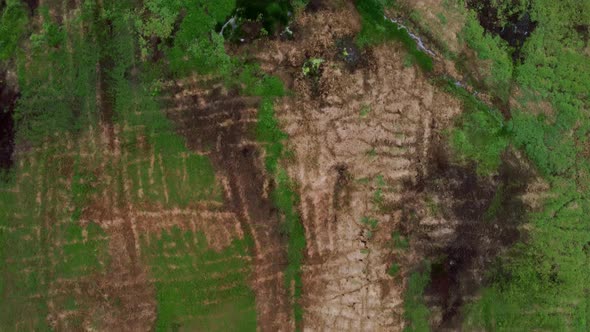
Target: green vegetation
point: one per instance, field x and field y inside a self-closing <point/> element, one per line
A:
<point x="442" y="18"/>
<point x="371" y="223"/>
<point x="481" y="134"/>
<point x="284" y="195"/>
<point x="56" y="87"/>
<point x="311" y="67"/>
<point x="286" y="200"/>
<point x="496" y="55"/>
<point x="416" y="312"/>
<point x="158" y="180"/>
<point x="376" y="29"/>
<point x="13" y="24"/>
<point x="541" y="283"/>
<point x="400" y="241"/>
<point x="195" y="46"/>
<point x="198" y="288"/>
<point x="76" y="74"/>
<point x="377" y="197"/>
<point x="365" y="110"/>
<point x="41" y="245"/>
<point x="393" y="269"/>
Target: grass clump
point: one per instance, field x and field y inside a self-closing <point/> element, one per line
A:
<point x="399" y="241"/>
<point x="481" y="134"/>
<point x="365" y="110"/>
<point x="416" y="312"/>
<point x="495" y="55"/>
<point x="311" y="67"/>
<point x="285" y="199"/>
<point x="370" y="222"/>
<point x="393" y="269"/>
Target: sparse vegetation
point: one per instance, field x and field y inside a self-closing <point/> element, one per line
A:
<point x="400" y="241"/>
<point x="284" y="196"/>
<point x="365" y="111"/>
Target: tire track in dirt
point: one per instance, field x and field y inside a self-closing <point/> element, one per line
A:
<point x="221" y="123"/>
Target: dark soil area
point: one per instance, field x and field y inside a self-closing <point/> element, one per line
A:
<point x="274" y="15"/>
<point x="349" y="52"/>
<point x="518" y="28"/>
<point x="8" y="98"/>
<point x="223" y="125"/>
<point x="32" y="4"/>
<point x="315" y="5"/>
<point x="483" y="213"/>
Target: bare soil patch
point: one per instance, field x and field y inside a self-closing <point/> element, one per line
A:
<point x="357" y="140"/>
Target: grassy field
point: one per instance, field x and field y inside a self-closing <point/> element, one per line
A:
<point x="198" y="288"/>
<point x="100" y="144"/>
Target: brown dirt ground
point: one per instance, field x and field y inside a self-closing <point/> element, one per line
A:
<point x="340" y="155"/>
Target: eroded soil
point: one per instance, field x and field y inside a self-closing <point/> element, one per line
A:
<point x="357" y="143"/>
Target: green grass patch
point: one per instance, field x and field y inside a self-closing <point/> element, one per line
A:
<point x="399" y="241"/>
<point x="376" y="29"/>
<point x="442" y="18"/>
<point x="40" y="244"/>
<point x="481" y="134"/>
<point x="58" y="87"/>
<point x="365" y="110"/>
<point x="416" y="312"/>
<point x="198" y="288"/>
<point x="372" y="223"/>
<point x="494" y="54"/>
<point x="541" y="285"/>
<point x="393" y="269"/>
<point x="175" y="173"/>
